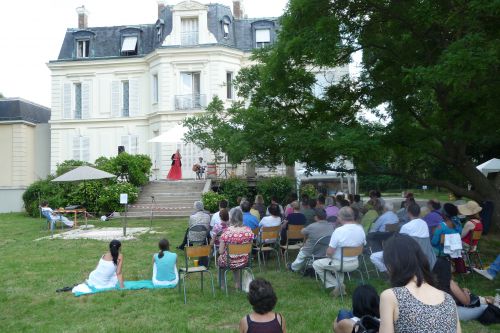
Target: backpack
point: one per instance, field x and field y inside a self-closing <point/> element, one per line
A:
<point x="367" y="324"/>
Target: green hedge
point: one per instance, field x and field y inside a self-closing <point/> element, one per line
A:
<point x="211" y="201"/>
<point x="97" y="196"/>
<point x="280" y="187"/>
<point x="232" y="188"/>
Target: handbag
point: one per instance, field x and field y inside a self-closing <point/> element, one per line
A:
<point x="490" y="316"/>
<point x="367" y="324"/>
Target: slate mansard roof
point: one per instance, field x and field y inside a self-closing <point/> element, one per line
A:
<point x="18" y="109"/>
<point x="106" y="41"/>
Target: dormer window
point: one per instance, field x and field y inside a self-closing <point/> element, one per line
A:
<point x="129" y="45"/>
<point x="189" y="31"/>
<point x="226" y="22"/>
<point x="82" y="48"/>
<point x="262" y="38"/>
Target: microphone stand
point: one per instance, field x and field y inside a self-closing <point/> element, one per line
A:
<point x="153" y="204"/>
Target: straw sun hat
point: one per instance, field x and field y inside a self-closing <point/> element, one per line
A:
<point x="470" y="208"/>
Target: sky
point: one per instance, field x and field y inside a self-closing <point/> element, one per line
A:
<point x="32" y="32"/>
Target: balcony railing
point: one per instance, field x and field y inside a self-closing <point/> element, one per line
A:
<point x="189" y="38"/>
<point x="190" y="102"/>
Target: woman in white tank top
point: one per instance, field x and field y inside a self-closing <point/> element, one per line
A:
<point x="109" y="269"/>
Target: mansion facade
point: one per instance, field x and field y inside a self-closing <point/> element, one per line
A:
<point x="124" y="85"/>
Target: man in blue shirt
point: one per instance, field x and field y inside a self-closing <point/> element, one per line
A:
<point x="248" y="219"/>
<point x="388" y="217"/>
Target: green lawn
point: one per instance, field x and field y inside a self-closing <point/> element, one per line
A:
<point x="31" y="271"/>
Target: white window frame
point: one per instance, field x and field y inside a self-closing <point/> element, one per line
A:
<point x="155" y="88"/>
<point x="229" y="85"/>
<point x="262" y="37"/>
<point x="85" y="43"/>
<point x="81" y="148"/>
<point x="225" y="29"/>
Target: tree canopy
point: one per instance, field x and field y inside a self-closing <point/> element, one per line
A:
<point x="430" y="68"/>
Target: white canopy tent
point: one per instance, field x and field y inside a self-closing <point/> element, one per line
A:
<point x="490" y="166"/>
<point x="173" y="135"/>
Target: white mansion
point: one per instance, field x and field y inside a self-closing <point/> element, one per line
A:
<point x="123" y="85"/>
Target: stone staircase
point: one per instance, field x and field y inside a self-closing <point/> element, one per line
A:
<point x="172" y="198"/>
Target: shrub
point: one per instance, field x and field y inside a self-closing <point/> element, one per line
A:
<point x="308" y="189"/>
<point x="232" y="188"/>
<point x="279" y="187"/>
<point x="137" y="167"/>
<point x="211" y="200"/>
<point x="109" y="198"/>
<point x="68" y="165"/>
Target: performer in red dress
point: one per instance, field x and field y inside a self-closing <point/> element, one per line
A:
<point x="175" y="172"/>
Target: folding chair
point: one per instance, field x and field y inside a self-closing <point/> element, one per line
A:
<point x="234" y="250"/>
<point x="345" y="252"/>
<point x="272" y="235"/>
<point x="191" y="252"/>
<point x="318" y="252"/>
<point x="294" y="235"/>
<point x="51" y="225"/>
<point x="474" y="251"/>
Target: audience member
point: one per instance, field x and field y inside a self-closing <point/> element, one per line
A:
<point x="219" y="228"/>
<point x="357" y="203"/>
<point x="164" y="266"/>
<point x="320" y="202"/>
<point x="434" y="217"/>
<point x="294" y="218"/>
<point x="262" y="320"/>
<point x="289" y="209"/>
<point x="54" y="216"/>
<point x="402" y="213"/>
<point x="418" y="230"/>
<point x="248" y="219"/>
<point x="413" y="304"/>
<point x="339" y="197"/>
<point x="313" y="232"/>
<point x="471" y="210"/>
<point x="307" y="211"/>
<point x="349" y="234"/>
<point x="199" y="217"/>
<point x="108" y="273"/>
<point x="259" y="205"/>
<point x="274" y="201"/>
<point x="236" y="233"/>
<point x="365" y="302"/>
<point x="215" y="217"/>
<point x="388" y="217"/>
<point x="273" y="219"/>
<point x="331" y="209"/>
<point x="255" y="212"/>
<point x="449" y="225"/>
<point x="469" y="306"/>
<point x="492" y="271"/>
<point x="378" y="195"/>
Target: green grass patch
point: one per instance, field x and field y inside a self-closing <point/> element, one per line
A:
<point x="31" y="271"/>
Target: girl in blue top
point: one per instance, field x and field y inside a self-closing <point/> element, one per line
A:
<point x="164" y="266"/>
<point x="449" y="225"/>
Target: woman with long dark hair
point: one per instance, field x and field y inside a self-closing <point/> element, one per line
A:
<point x="365" y="302"/>
<point x="164" y="266"/>
<point x="175" y="172"/>
<point x="109" y="269"/>
<point x="413" y="304"/>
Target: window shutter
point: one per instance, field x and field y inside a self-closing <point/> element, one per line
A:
<point x="125" y="143"/>
<point x="85" y="148"/>
<point x="134" y="140"/>
<point x="115" y="99"/>
<point x="134" y="103"/>
<point x="67" y="101"/>
<point x="86" y="99"/>
<point x="263" y="35"/>
<point x="76" y="148"/>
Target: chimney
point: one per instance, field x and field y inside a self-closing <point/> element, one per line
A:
<point x="237" y="9"/>
<point x="83" y="16"/>
<point x="161" y="6"/>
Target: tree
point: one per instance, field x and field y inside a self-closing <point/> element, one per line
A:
<point x="431" y="66"/>
<point x="1" y="95"/>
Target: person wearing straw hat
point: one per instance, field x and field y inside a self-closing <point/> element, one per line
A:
<point x="471" y="210"/>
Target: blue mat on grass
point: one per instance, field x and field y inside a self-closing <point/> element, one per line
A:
<point x="129" y="285"/>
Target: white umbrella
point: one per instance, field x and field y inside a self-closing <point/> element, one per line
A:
<point x="492" y="165"/>
<point x="83" y="173"/>
<point x="173" y="135"/>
